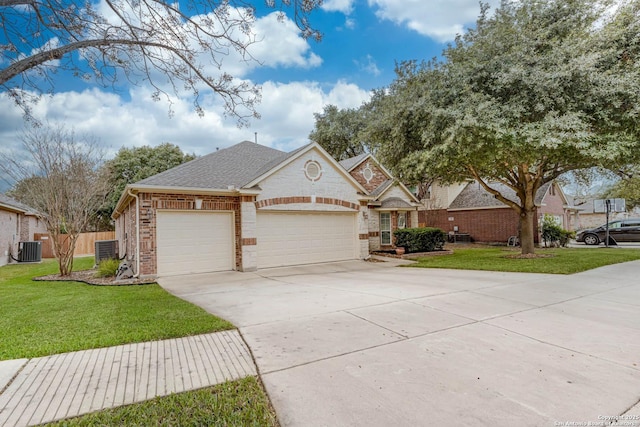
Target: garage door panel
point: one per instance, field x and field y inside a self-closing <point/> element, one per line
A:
<point x="194" y="242"/>
<point x="305" y="238"/>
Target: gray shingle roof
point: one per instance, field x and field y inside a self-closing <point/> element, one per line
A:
<point x="237" y="165"/>
<point x="474" y="196"/>
<point x="9" y="201"/>
<point x="382" y="188"/>
<point x="352" y="161"/>
<point x="394" y="202"/>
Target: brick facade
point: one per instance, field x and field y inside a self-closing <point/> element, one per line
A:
<point x="149" y="204"/>
<point x="483" y="225"/>
<point x="494" y="224"/>
<point x="378" y="175"/>
<point x="306" y="199"/>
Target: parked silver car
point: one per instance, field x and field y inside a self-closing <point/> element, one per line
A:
<point x="624" y="230"/>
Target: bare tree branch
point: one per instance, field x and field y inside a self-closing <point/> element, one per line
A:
<point x="173" y="47"/>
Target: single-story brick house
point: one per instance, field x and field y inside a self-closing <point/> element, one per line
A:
<point x="250" y="206"/>
<point x="468" y="208"/>
<point x="18" y="223"/>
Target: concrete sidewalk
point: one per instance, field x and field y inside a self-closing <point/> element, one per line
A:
<point x="44" y="389"/>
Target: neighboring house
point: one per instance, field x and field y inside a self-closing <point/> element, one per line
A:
<point x="18" y="223"/>
<point x="250" y="206"/>
<point x="589" y="218"/>
<point x="470" y="209"/>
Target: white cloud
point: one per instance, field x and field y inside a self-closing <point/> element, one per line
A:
<point x="287" y="109"/>
<point x="281" y="44"/>
<point x="368" y="65"/>
<point x="287" y="117"/>
<point x="349" y="23"/>
<point x="438" y="19"/>
<point x="344" y="6"/>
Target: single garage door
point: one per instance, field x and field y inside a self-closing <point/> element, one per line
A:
<point x="305" y="238"/>
<point x="194" y="242"/>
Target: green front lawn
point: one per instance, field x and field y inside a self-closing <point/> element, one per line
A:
<point x="563" y="261"/>
<point x="42" y="318"/>
<point x="236" y="403"/>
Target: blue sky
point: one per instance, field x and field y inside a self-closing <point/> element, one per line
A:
<point x="362" y="40"/>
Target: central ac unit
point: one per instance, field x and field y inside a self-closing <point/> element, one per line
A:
<point x="29" y="251"/>
<point x="106" y="249"/>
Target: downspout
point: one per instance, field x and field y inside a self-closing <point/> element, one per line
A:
<point x="135" y="196"/>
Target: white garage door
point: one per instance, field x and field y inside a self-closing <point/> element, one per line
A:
<point x="194" y="242"/>
<point x="305" y="238"/>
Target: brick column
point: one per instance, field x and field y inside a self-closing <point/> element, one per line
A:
<point x="363" y="230"/>
<point x="413" y="220"/>
<point x="249" y="233"/>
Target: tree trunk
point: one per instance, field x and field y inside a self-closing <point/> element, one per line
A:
<point x="63" y="250"/>
<point x="527" y="231"/>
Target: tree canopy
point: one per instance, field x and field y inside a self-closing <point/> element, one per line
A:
<point x="134" y="164"/>
<point x="537" y="89"/>
<point x="339" y="131"/>
<point x="172" y="46"/>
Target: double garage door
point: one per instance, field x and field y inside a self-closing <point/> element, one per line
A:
<point x="198" y="242"/>
<point x="305" y="237"/>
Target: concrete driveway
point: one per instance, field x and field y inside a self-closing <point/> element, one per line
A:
<point x="366" y="344"/>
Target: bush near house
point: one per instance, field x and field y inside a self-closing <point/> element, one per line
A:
<point x="554" y="234"/>
<point x="420" y="239"/>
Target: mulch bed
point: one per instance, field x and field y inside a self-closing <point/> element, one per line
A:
<point x="413" y="255"/>
<point x="88" y="277"/>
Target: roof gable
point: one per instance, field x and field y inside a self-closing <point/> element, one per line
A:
<point x="279" y="164"/>
<point x="392" y="184"/>
<point x="474" y="196"/>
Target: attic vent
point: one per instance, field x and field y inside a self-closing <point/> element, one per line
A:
<point x="367" y="173"/>
<point x="312" y="170"/>
<point x="29" y="251"/>
<point x="106" y="249"/>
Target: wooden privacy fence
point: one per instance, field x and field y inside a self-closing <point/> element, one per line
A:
<point x="84" y="246"/>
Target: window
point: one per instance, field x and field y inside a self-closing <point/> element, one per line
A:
<point x="385" y="228"/>
<point x="402" y="220"/>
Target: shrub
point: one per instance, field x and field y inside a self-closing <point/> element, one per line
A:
<point x="553" y="233"/>
<point x="108" y="267"/>
<point x="420" y="239"/>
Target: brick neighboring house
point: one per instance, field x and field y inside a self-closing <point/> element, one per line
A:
<point x="18" y="223"/>
<point x="469" y="208"/>
<point x="250" y="206"/>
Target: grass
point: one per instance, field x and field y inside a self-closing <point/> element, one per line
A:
<point x="43" y="318"/>
<point x="237" y="403"/>
<point x="108" y="268"/>
<point x="563" y="261"/>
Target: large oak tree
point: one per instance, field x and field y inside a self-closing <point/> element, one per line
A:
<point x="536" y="89"/>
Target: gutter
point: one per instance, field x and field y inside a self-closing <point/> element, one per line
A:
<point x="135" y="196"/>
